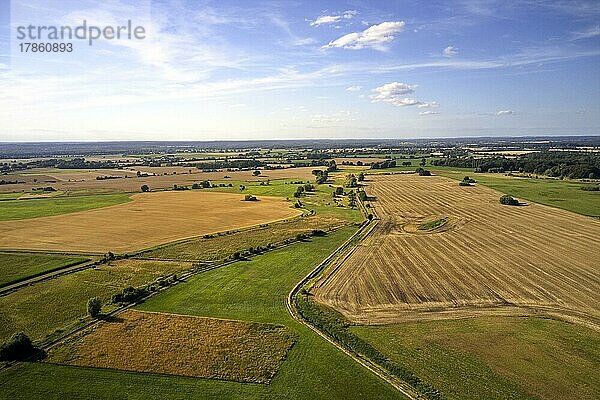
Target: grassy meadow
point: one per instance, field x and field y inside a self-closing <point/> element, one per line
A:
<point x="496" y="357"/>
<point x="48" y="206"/>
<point x="16" y="267"/>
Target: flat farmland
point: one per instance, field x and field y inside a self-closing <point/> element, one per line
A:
<point x="165" y="177"/>
<point x="148" y="220"/>
<point x="480" y="258"/>
<point x="180" y="345"/>
<point x="52" y="307"/>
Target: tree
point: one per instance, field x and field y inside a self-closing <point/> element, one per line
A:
<point x="351" y="181"/>
<point x="249" y="197"/>
<point x="299" y="191"/>
<point x="361" y="176"/>
<point x="422" y="172"/>
<point x="94" y="306"/>
<point x="18" y="347"/>
<point x="362" y="195"/>
<point x="339" y="191"/>
<point x="145" y="188"/>
<point x="508" y="200"/>
<point x="352" y="199"/>
<point x="256" y="173"/>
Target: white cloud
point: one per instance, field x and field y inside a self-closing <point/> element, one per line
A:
<point x="505" y="112"/>
<point x="349" y="14"/>
<point x="332" y="19"/>
<point x="354" y="88"/>
<point x="376" y="37"/>
<point x="450" y="51"/>
<point x="430" y="104"/>
<point x="394" y="93"/>
<point x="428" y="113"/>
<point x="325" y="20"/>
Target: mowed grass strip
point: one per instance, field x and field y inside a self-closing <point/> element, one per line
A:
<point x="148" y="220"/>
<point x="15" y="267"/>
<point x="219" y="247"/>
<point x="45" y="207"/>
<point x="181" y="345"/>
<point x="496" y="357"/>
<point x="47" y="308"/>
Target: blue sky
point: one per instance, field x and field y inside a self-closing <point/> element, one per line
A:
<point x="291" y="69"/>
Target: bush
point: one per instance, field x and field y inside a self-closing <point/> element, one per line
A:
<point x="249" y="197"/>
<point x="145" y="188"/>
<point x="591" y="188"/>
<point x="18" y="347"/>
<point x="130" y="295"/>
<point x="423" y="172"/>
<point x="509" y="200"/>
<point x="463" y="183"/>
<point x="94" y="306"/>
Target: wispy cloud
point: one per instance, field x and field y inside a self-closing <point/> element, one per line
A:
<point x="354" y="88"/>
<point x="375" y="37"/>
<point x="332" y="19"/>
<point x="586" y="34"/>
<point x="450" y="51"/>
<point x="504" y="112"/>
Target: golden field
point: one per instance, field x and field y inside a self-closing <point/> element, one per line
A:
<point x="180" y="345"/>
<point x="485" y="259"/>
<point x="149" y="219"/>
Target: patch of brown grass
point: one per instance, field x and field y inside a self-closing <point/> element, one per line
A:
<point x="181" y="345"/>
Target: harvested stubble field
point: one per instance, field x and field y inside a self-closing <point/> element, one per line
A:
<point x="45" y="308"/>
<point x="488" y="258"/>
<point x="148" y="220"/>
<point x="85" y="180"/>
<point x="180" y="345"/>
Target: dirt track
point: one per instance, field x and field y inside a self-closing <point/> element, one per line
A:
<point x="489" y="258"/>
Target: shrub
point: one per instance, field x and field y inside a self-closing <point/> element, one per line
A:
<point x="94" y="306"/>
<point x="508" y="200"/>
<point x="18" y="347"/>
<point x="591" y="188"/>
<point x="463" y="183"/>
<point x="423" y="172"/>
<point x="145" y="188"/>
<point x="250" y="197"/>
<point x="130" y="295"/>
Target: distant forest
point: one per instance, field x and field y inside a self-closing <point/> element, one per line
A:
<point x="573" y="165"/>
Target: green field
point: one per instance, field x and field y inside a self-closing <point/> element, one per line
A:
<point x="565" y="194"/>
<point x="319" y="201"/>
<point x="496" y="357"/>
<point x="44" y="207"/>
<point x="46" y="308"/>
<point x="249" y="290"/>
<point x="15" y="267"/>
